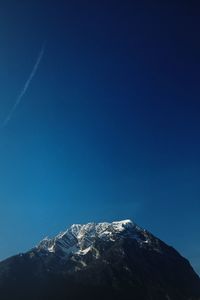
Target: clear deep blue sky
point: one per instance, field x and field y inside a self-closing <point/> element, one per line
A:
<point x="109" y="127"/>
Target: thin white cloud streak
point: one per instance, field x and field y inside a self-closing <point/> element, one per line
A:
<point x="26" y="86"/>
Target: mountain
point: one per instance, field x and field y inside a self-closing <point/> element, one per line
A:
<point x="117" y="260"/>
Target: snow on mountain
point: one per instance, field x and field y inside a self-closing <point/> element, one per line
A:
<point x="117" y="260"/>
<point x="79" y="239"/>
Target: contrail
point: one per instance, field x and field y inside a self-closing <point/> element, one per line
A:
<point x="26" y="86"/>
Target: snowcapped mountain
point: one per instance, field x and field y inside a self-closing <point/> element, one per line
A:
<point x="80" y="239"/>
<point x="117" y="260"/>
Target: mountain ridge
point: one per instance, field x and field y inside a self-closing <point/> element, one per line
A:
<point x="117" y="260"/>
<point x="83" y="235"/>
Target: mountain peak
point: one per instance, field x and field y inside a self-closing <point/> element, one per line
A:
<point x="121" y="225"/>
<point x="104" y="260"/>
<point x="80" y="238"/>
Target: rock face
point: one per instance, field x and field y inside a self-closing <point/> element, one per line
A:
<point x="116" y="260"/>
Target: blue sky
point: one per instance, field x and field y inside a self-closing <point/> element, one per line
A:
<point x="109" y="126"/>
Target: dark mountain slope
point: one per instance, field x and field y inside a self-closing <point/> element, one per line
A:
<point x="100" y="261"/>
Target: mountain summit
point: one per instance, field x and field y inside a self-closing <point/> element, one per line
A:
<point x="117" y="260"/>
<point x="80" y="239"/>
